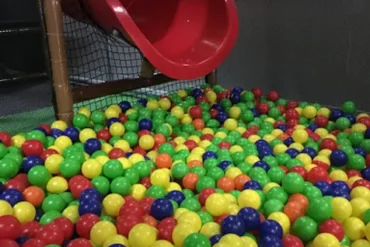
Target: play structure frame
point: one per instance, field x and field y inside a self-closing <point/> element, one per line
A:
<point x="65" y="95"/>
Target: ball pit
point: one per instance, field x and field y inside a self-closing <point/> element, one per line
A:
<point x="197" y="168"/>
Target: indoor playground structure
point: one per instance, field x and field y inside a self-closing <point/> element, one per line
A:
<point x="147" y="150"/>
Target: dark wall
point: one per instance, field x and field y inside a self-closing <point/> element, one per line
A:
<point x="313" y="50"/>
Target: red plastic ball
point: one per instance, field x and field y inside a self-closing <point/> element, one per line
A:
<point x="65" y="225"/>
<point x="208" y="137"/>
<point x="225" y="145"/>
<point x="321" y="164"/>
<point x="80" y="242"/>
<point x="10" y="227"/>
<point x="116" y="153"/>
<point x="195" y="112"/>
<point x="292" y="241"/>
<point x="291" y="114"/>
<point x="263" y="108"/>
<point x="144" y="132"/>
<point x="8" y="243"/>
<point x="85" y="223"/>
<point x="333" y="227"/>
<point x="273" y="95"/>
<point x="77" y="184"/>
<point x="247" y="134"/>
<point x="50" y="234"/>
<point x="122" y="117"/>
<point x="29" y="229"/>
<point x="352" y="173"/>
<point x="292" y="104"/>
<point x="213" y="113"/>
<point x="254" y="129"/>
<point x="133" y="208"/>
<point x="328" y="143"/>
<point x="204" y="194"/>
<point x="367" y="159"/>
<point x="146" y="182"/>
<point x="33" y="242"/>
<point x="315" y="137"/>
<point x="200" y="99"/>
<point x="361" y="182"/>
<point x="32" y="147"/>
<point x="364" y="120"/>
<point x="317" y="174"/>
<point x="292" y="122"/>
<point x="46" y="153"/>
<point x="5" y="138"/>
<point x="284" y="168"/>
<point x="190" y="144"/>
<point x="301" y="171"/>
<point x="15" y="184"/>
<point x="257" y="91"/>
<point x="46" y="127"/>
<point x="104" y="135"/>
<point x="146" y="204"/>
<point x="165" y="229"/>
<point x="124" y="223"/>
<point x="281" y="108"/>
<point x="219" y="219"/>
<point x="321" y="121"/>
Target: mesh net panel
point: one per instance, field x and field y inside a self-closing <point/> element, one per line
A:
<point x="95" y="57"/>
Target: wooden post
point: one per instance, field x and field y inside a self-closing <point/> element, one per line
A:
<point x="211" y="78"/>
<point x="54" y="30"/>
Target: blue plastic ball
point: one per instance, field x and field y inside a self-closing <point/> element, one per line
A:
<point x="292" y="152"/>
<point x="360" y="151"/>
<point x="310" y="151"/>
<point x="117" y="245"/>
<point x="39" y="214"/>
<point x="233" y="224"/>
<point x="270" y="241"/>
<point x="42" y="130"/>
<point x="270" y="227"/>
<point x="340" y="193"/>
<point x="221" y="117"/>
<point x="340" y="185"/>
<point x="92" y="145"/>
<point x="366" y="173"/>
<point x="235" y="98"/>
<point x="367" y="133"/>
<point x="288" y="141"/>
<point x="262" y="164"/>
<point x="256" y="113"/>
<point x="209" y="154"/>
<point x="142" y="102"/>
<point x="335" y="114"/>
<point x="125" y="105"/>
<point x="196" y="92"/>
<point x="161" y="208"/>
<point x="282" y="127"/>
<point x="90" y="194"/>
<point x="350" y="117"/>
<point x="112" y="121"/>
<point x="264" y="152"/>
<point x="215" y="239"/>
<point x="338" y="158"/>
<point x="128" y="154"/>
<point x="324" y="187"/>
<point x="13" y="196"/>
<point x="56" y="133"/>
<point x="224" y="164"/>
<point x="176" y="196"/>
<point x="252" y="185"/>
<point x="217" y="107"/>
<point x="145" y="124"/>
<point x="313" y="127"/>
<point x="22" y="240"/>
<point x="90" y="207"/>
<point x="250" y="217"/>
<point x="30" y="162"/>
<point x="72" y="133"/>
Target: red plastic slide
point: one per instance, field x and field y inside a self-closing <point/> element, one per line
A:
<point x="184" y="39"/>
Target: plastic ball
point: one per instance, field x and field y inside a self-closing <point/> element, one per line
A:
<point x="325" y="239"/>
<point x="354" y="228"/>
<point x="112" y="204"/>
<point x="24" y="212"/>
<point x="196" y="239"/>
<point x="249" y="198"/>
<point x="180" y="232"/>
<point x="216" y="204"/>
<point x="101" y="231"/>
<point x="161" y="208"/>
<point x="233" y="224"/>
<point x="10" y="227"/>
<point x="142" y="235"/>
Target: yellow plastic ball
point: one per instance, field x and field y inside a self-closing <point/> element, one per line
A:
<point x="182" y="93"/>
<point x="235" y="112"/>
<point x="269" y="186"/>
<point x="251" y="159"/>
<point x="173" y="186"/>
<point x="323" y="111"/>
<point x="233" y="172"/>
<point x="123" y="145"/>
<point x="360" y="192"/>
<point x="353" y="179"/>
<point x="221" y="135"/>
<point x="230" y="124"/>
<point x="186" y="119"/>
<point x="354" y="228"/>
<point x="86" y="134"/>
<point x="297" y="146"/>
<point x="179" y="212"/>
<point x="198" y="151"/>
<point x="359" y="127"/>
<point x="52" y="163"/>
<point x="269" y="138"/>
<point x="178" y="112"/>
<point x="135" y="158"/>
<point x="322" y="132"/>
<point x="18" y="140"/>
<point x="146" y="142"/>
<point x="116" y="239"/>
<point x="84" y="111"/>
<point x="304" y="158"/>
<point x="137" y="191"/>
<point x="164" y="103"/>
<point x="208" y="131"/>
<point x="359" y="206"/>
<point x="210" y="229"/>
<point x="322" y="158"/>
<point x="342" y="209"/>
<point x="160" y="177"/>
<point x="235" y="149"/>
<point x="180" y="232"/>
<point x="101" y="231"/>
<point x="152" y="104"/>
<point x="299" y="127"/>
<point x="360" y="243"/>
<point x="233" y="209"/>
<point x="309" y="112"/>
<point x="152" y="155"/>
<point x="112" y="203"/>
<point x="5" y="208"/>
<point x="211" y="96"/>
<point x="254" y="138"/>
<point x="161" y="243"/>
<point x="191" y="218"/>
<point x="367" y="231"/>
<point x="142" y="235"/>
<point x="249" y="198"/>
<point x="24" y="212"/>
<point x="325" y="239"/>
<point x="309" y="167"/>
<point x="102" y="159"/>
<point x="117" y="129"/>
<point x="276" y="132"/>
<point x="279" y="148"/>
<point x="300" y="136"/>
<point x="248" y="241"/>
<point x="111" y="112"/>
<point x="91" y="168"/>
<point x="116" y="107"/>
<point x="232" y="240"/>
<point x="181" y="147"/>
<point x="338" y="175"/>
<point x="216" y="204"/>
<point x="60" y="125"/>
<point x="57" y="185"/>
<point x="71" y="213"/>
<point x="282" y="219"/>
<point x="193" y="157"/>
